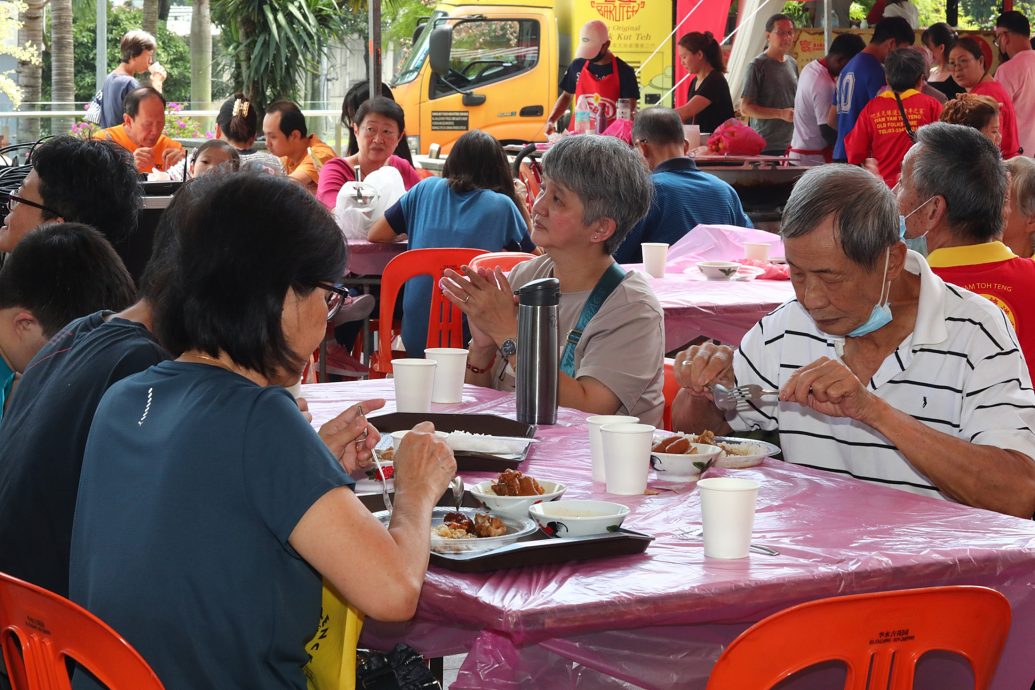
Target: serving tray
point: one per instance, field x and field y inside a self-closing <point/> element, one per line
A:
<point x="540" y="549"/>
<point x="466" y="461"/>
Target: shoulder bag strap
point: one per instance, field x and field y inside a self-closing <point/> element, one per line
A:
<point x="905" y="119"/>
<point x="612" y="278"/>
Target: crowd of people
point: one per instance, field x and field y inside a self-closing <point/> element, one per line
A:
<point x="145" y="430"/>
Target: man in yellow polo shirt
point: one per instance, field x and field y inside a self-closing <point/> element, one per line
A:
<point x="141" y="132"/>
<point x="302" y="154"/>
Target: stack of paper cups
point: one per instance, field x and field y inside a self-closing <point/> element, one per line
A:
<point x="626" y="457"/>
<point x="596" y="449"/>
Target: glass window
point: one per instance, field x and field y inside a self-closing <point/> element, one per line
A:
<point x="419" y="53"/>
<point x="486" y="51"/>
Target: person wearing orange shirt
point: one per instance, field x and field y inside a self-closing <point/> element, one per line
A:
<point x="141" y="132"/>
<point x="302" y="154"/>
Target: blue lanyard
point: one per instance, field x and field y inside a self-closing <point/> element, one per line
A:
<point x="612" y="278"/>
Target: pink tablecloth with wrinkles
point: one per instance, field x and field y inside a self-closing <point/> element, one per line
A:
<point x="661" y="619"/>
<point x="370" y="258"/>
<point x="723" y="310"/>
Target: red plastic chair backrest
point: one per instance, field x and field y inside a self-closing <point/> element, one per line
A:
<point x="50" y="629"/>
<point x="505" y="260"/>
<point x="879" y="636"/>
<point x="671" y="388"/>
<point x="445" y="326"/>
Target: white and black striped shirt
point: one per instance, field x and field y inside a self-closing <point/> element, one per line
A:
<point x="960" y="372"/>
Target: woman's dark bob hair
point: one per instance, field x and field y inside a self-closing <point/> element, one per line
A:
<point x="244" y="241"/>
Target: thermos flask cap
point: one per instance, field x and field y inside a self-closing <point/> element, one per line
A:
<point x="545" y="292"/>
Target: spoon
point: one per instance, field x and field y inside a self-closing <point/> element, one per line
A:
<point x="457" y="487"/>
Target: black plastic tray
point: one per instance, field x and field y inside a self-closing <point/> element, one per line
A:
<point x="466" y="461"/>
<point x="543" y="550"/>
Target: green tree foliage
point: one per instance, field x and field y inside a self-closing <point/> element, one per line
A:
<point x="275" y="44"/>
<point x="173" y="52"/>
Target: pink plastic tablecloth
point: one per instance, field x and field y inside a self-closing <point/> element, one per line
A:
<point x="661" y="619"/>
<point x="370" y="258"/>
<point x="723" y="310"/>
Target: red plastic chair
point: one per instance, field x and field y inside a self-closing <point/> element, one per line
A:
<point x="50" y="629"/>
<point x="505" y="260"/>
<point x="879" y="636"/>
<point x="670" y="390"/>
<point x="445" y="325"/>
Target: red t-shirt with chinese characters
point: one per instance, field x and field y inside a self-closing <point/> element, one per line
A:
<point x="997" y="274"/>
<point x="880" y="132"/>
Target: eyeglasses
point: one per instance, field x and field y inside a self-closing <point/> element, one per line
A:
<point x="372" y="132"/>
<point x="782" y="32"/>
<point x="1000" y="35"/>
<point x="337" y="297"/>
<point x="13" y="201"/>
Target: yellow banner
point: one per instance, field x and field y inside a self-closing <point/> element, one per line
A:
<point x="636" y="27"/>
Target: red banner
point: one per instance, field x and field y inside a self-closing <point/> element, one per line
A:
<point x="710" y="15"/>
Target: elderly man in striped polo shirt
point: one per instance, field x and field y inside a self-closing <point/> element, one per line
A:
<point x="884" y="371"/>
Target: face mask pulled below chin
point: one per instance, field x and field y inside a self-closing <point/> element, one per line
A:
<point x="880" y="315"/>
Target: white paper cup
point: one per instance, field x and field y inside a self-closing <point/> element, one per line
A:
<point x="449" y="374"/>
<point x="727" y="515"/>
<point x="295" y="389"/>
<point x="756" y="250"/>
<point x="654" y="256"/>
<point x="414" y="381"/>
<point x="626" y="457"/>
<point x="692" y="134"/>
<point x="596" y="449"/>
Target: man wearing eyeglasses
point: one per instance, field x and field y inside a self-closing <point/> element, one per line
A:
<point x="770" y="86"/>
<point x="302" y="154"/>
<point x="1017" y="72"/>
<point x="92" y="182"/>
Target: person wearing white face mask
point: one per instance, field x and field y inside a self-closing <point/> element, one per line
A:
<point x="961" y="220"/>
<point x="884" y="372"/>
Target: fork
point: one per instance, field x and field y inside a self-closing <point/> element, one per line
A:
<point x="728" y="398"/>
<point x="384" y="485"/>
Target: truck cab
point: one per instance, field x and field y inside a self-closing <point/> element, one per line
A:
<point x="496" y="69"/>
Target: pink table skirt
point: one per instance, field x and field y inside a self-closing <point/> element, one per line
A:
<point x="370" y="258"/>
<point x="661" y="619"/>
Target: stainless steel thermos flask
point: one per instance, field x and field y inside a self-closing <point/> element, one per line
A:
<point x="538" y="353"/>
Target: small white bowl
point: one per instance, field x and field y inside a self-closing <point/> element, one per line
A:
<point x="515" y="506"/>
<point x="683" y="466"/>
<point x="397" y="437"/>
<point x="718" y="270"/>
<point x="578" y="518"/>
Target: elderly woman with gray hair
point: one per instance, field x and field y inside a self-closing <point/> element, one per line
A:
<point x="885" y="373"/>
<point x="1019" y="233"/>
<point x="594" y="190"/>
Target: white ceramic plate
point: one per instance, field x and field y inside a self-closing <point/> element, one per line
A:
<point x="516" y="528"/>
<point x="753" y="452"/>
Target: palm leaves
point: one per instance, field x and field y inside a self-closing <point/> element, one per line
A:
<point x="275" y="43"/>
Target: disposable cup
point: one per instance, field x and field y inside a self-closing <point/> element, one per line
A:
<point x="449" y="374"/>
<point x="414" y="381"/>
<point x="727" y="515"/>
<point x="295" y="389"/>
<point x="756" y="250"/>
<point x="596" y="449"/>
<point x="654" y="256"/>
<point x="626" y="457"/>
<point x="692" y="134"/>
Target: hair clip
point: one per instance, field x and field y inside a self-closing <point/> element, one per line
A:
<point x="240" y="108"/>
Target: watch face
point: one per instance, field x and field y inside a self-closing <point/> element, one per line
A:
<point x="509" y="348"/>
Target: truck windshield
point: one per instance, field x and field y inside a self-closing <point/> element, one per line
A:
<point x="411" y="68"/>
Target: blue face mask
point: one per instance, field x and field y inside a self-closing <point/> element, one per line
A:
<point x="880" y="315"/>
<point x="917" y="244"/>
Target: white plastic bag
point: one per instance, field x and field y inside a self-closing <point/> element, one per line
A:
<point x="359" y="204"/>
